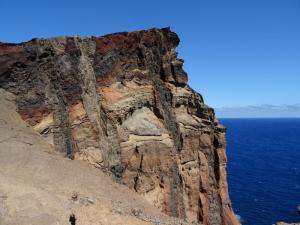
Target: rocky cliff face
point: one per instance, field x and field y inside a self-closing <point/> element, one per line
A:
<point x="39" y="187"/>
<point x="121" y="102"/>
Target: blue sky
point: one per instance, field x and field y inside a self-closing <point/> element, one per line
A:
<point x="237" y="53"/>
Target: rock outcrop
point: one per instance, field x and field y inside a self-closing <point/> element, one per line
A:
<point x="283" y="223"/>
<point x="39" y="187"/>
<point x="121" y="102"/>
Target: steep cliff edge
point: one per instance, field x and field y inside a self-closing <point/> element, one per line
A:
<point x="121" y="102"/>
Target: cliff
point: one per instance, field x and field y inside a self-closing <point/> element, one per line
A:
<point x="39" y="187"/>
<point x="121" y="102"/>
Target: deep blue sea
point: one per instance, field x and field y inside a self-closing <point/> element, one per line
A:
<point x="264" y="169"/>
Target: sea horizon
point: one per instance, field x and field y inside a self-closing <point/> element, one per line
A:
<point x="263" y="169"/>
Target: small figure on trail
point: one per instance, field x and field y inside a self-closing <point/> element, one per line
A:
<point x="72" y="219"/>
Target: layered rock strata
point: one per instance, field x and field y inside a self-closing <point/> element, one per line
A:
<point x="121" y="102"/>
<point x="39" y="187"/>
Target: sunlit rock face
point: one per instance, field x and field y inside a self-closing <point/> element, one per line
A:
<point x="121" y="102"/>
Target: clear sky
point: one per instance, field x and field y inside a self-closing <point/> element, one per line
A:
<point x="237" y="52"/>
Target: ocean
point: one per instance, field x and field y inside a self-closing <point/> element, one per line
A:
<point x="264" y="169"/>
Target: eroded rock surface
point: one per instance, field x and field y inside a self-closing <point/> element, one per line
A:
<point x="39" y="187"/>
<point x="122" y="103"/>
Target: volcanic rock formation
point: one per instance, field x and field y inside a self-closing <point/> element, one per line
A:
<point x="121" y="102"/>
<point x="39" y="187"/>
